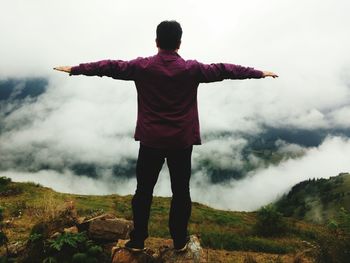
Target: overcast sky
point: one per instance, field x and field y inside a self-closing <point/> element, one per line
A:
<point x="92" y="119"/>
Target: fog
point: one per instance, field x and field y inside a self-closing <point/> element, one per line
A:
<point x="78" y="120"/>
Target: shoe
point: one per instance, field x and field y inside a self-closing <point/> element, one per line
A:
<point x="181" y="247"/>
<point x="135" y="246"/>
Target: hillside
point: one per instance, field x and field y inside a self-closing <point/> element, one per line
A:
<point x="317" y="200"/>
<point x="225" y="235"/>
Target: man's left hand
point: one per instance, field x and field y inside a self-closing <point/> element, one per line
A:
<point x="269" y="74"/>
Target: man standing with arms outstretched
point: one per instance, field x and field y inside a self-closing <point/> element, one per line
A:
<point x="167" y="122"/>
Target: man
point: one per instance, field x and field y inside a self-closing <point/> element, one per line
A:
<point x="167" y="122"/>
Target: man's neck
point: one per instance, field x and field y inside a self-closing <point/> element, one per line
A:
<point x="165" y="50"/>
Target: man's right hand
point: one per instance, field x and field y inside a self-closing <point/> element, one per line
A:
<point x="63" y="68"/>
<point x="269" y="74"/>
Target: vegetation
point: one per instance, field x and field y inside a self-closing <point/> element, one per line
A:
<point x="30" y="207"/>
<point x="316" y="200"/>
<point x="270" y="222"/>
<point x="65" y="247"/>
<point x="73" y="247"/>
<point x="323" y="201"/>
<point x="3" y="237"/>
<point x="334" y="242"/>
<point x="48" y="242"/>
<point x="6" y="188"/>
<point x="4" y="182"/>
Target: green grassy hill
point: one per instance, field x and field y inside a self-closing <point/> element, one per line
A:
<point x="317" y="200"/>
<point x="227" y="236"/>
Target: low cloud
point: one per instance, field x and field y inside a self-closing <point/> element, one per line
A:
<point x="263" y="186"/>
<point x="78" y="124"/>
<point x="258" y="188"/>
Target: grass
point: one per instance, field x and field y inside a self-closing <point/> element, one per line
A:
<point x="232" y="241"/>
<point x="217" y="229"/>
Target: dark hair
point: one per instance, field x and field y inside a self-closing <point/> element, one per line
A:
<point x="169" y="35"/>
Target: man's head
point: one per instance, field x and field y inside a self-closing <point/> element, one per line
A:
<point x="169" y="35"/>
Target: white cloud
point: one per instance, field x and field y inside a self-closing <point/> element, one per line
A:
<point x="339" y="117"/>
<point x="67" y="182"/>
<point x="259" y="188"/>
<point x="224" y="153"/>
<point x="263" y="186"/>
<point x="91" y="119"/>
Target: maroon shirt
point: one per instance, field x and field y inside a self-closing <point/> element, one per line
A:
<point x="167" y="93"/>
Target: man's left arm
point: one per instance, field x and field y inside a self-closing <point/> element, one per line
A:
<point x="220" y="71"/>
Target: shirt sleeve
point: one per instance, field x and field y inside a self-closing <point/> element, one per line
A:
<point x="117" y="69"/>
<point x="220" y="71"/>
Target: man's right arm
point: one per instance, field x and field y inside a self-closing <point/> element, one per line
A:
<point x="118" y="69"/>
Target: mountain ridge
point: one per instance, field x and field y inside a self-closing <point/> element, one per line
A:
<point x="317" y="200"/>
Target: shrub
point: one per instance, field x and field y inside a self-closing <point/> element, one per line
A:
<point x="270" y="222"/>
<point x="4" y="180"/>
<point x="68" y="240"/>
<point x="334" y="243"/>
<point x="8" y="189"/>
<point x="36" y="242"/>
<point x="94" y="251"/>
<point x="74" y="247"/>
<point x="34" y="237"/>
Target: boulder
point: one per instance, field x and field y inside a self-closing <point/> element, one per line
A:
<point x="193" y="254"/>
<point x="165" y="254"/>
<point x="73" y="230"/>
<point x="108" y="228"/>
<point x="120" y="254"/>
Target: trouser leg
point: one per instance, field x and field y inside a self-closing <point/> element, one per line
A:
<point x="179" y="163"/>
<point x="149" y="164"/>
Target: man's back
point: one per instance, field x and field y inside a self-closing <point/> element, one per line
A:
<point x="167" y="102"/>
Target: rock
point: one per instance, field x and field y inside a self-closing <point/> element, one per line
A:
<point x="81" y="220"/>
<point x="122" y="255"/>
<point x="55" y="235"/>
<point x="73" y="230"/>
<point x="83" y="223"/>
<point x="165" y="254"/>
<point x="103" y="216"/>
<point x="193" y="254"/>
<point x="108" y="228"/>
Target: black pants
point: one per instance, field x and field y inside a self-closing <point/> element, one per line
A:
<point x="149" y="164"/>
